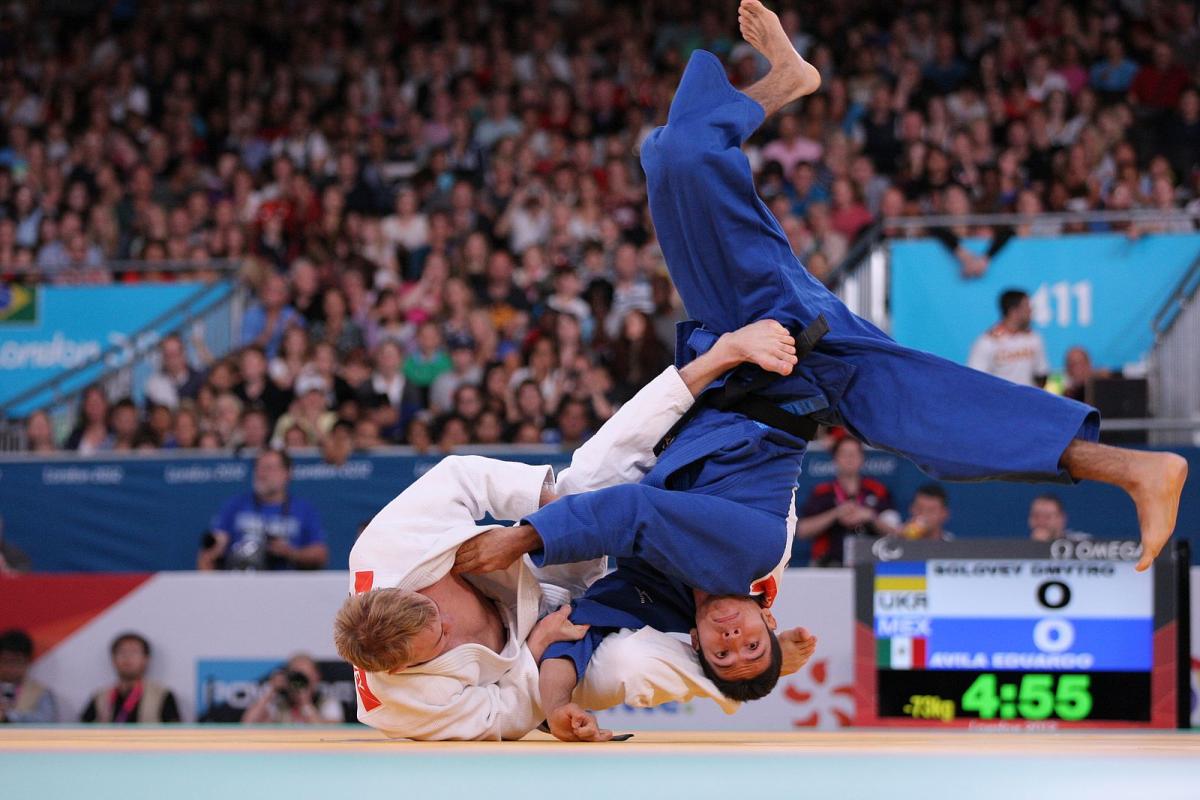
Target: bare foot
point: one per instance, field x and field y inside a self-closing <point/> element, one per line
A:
<point x="765" y="343"/>
<point x="1157" y="483"/>
<point x="761" y="28"/>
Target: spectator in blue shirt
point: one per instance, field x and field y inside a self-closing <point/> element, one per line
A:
<point x="265" y="322"/>
<point x="946" y="71"/>
<point x="266" y="529"/>
<point x="1114" y="75"/>
<point x="804" y="189"/>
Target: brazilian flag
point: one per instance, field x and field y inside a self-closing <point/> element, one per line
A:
<point x="18" y="304"/>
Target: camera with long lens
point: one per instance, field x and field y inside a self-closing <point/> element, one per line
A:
<point x="297" y="682"/>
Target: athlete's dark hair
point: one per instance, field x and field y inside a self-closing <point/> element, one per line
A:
<point x="750" y="688"/>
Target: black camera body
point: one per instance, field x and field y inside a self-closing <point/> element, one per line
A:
<point x="297" y="682"/>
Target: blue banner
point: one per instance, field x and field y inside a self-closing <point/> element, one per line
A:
<point x="1100" y="291"/>
<point x="234" y="682"/>
<point x="147" y="513"/>
<point x="226" y="687"/>
<point x="48" y="330"/>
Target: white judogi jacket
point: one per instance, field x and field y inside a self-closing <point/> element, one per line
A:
<point x="471" y="692"/>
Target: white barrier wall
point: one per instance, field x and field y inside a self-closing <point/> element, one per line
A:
<point x="191" y="618"/>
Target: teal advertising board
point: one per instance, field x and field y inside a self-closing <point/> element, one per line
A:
<point x="1100" y="291"/>
<point x="48" y="330"/>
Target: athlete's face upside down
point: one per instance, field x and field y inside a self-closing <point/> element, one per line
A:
<point x="733" y="634"/>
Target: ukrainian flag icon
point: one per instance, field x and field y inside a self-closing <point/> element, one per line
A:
<point x="900" y="576"/>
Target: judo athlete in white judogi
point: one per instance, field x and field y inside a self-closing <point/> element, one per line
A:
<point x="444" y="656"/>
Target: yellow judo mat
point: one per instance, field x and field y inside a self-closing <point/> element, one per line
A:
<point x="264" y="762"/>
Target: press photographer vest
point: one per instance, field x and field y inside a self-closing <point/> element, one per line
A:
<point x="149" y="708"/>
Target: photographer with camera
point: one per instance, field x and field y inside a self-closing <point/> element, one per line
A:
<point x="290" y="696"/>
<point x="266" y="529"/>
<point x="21" y="699"/>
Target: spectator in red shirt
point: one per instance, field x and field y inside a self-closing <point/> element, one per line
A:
<point x="1158" y="86"/>
<point x="849" y="504"/>
<point x="849" y="215"/>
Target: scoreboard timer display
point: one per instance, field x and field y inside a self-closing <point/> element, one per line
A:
<point x="1003" y="633"/>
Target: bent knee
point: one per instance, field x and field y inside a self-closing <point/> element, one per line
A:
<point x="674" y="155"/>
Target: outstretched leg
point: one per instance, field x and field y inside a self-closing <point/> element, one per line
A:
<point x="960" y="424"/>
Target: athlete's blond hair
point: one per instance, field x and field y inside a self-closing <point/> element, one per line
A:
<point x="374" y="630"/>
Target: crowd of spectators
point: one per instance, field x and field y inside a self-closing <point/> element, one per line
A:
<point x="440" y="209"/>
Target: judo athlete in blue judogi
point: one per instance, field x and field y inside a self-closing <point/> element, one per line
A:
<point x="724" y="485"/>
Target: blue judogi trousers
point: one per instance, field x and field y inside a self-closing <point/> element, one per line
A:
<point x="732" y="264"/>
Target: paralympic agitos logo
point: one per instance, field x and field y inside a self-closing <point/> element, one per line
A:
<point x="886" y="550"/>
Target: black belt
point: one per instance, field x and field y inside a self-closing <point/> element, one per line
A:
<point x="768" y="413"/>
<point x="737" y="397"/>
<point x="812" y="333"/>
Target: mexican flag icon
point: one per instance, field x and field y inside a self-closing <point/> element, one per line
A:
<point x="900" y="652"/>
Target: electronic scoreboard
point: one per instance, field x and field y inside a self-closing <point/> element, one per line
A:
<point x="1021" y="634"/>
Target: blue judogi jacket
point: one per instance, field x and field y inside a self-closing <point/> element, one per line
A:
<point x="633" y="596"/>
<point x="710" y="543"/>
<point x="717" y="524"/>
